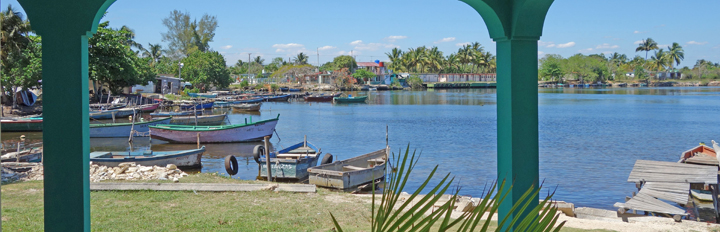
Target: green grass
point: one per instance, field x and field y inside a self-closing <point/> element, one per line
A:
<point x="22" y="209"/>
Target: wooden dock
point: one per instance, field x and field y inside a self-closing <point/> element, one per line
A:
<point x="665" y="180"/>
<point x="204" y="187"/>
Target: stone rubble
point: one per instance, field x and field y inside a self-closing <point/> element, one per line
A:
<point x="25" y="173"/>
<point x="132" y="171"/>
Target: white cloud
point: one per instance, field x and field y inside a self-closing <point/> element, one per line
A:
<point x="279" y="50"/>
<point x="328" y="47"/>
<point x="354" y="53"/>
<point x="697" y="43"/>
<point x="717" y="46"/>
<point x="638" y="42"/>
<point x="545" y="44"/>
<point x="585" y="50"/>
<point x="607" y="53"/>
<point x="540" y="53"/>
<point x="356" y="42"/>
<point x="359" y="45"/>
<point x="226" y="47"/>
<point x="566" y="45"/>
<point x="393" y="38"/>
<point x="286" y="46"/>
<point x="639" y="32"/>
<point x="607" y="46"/>
<point x="443" y="40"/>
<point x="462" y="44"/>
<point x="663" y="45"/>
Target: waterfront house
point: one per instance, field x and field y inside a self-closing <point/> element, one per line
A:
<point x="378" y="68"/>
<point x="165" y="84"/>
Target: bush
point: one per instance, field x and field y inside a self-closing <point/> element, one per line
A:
<point x="193" y="90"/>
<point x="415" y="82"/>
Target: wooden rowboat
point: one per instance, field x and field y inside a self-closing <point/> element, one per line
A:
<point x="102" y="114"/>
<point x="322" y="98"/>
<point x="167" y="114"/>
<point x="350" y="99"/>
<point x="21" y="125"/>
<point x="247" y="107"/>
<point x="27" y="155"/>
<point x="291" y="163"/>
<point x="207" y="105"/>
<point x="699" y="155"/>
<point x="247" y="132"/>
<point x="204" y="120"/>
<point x="277" y="98"/>
<point x="115" y="130"/>
<point x="350" y="173"/>
<point x="184" y="158"/>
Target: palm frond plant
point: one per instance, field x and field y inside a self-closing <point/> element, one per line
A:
<point x="392" y="214"/>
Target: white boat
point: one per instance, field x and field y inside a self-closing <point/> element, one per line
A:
<point x="184" y="158"/>
<point x="115" y="130"/>
<point x="246" y="132"/>
<point x="247" y="106"/>
<point x="202" y="120"/>
<point x="350" y="173"/>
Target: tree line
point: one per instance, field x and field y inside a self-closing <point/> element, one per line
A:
<point x="470" y="58"/>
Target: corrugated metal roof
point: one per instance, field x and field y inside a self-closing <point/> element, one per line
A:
<point x="368" y="64"/>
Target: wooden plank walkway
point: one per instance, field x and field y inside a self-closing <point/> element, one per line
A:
<point x="207" y="187"/>
<point x="675" y="192"/>
<point x="702" y="159"/>
<point x="647" y="203"/>
<point x="671" y="172"/>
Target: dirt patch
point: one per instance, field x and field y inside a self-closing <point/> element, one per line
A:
<point x="336" y="199"/>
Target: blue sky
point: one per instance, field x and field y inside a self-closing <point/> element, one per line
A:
<point x="371" y="28"/>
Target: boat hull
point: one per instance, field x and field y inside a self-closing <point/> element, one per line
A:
<point x="345" y="174"/>
<point x="119" y="130"/>
<point x="249" y="133"/>
<point x="288" y="169"/>
<point x="186" y="159"/>
<point x="205" y="120"/>
<point x="350" y="100"/>
<point x="208" y="105"/>
<point x="21" y="125"/>
<point x="247" y="107"/>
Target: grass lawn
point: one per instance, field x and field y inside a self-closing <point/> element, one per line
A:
<point x="22" y="209"/>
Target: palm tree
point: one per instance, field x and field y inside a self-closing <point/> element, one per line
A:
<point x="647" y="45"/>
<point x="15" y="29"/>
<point x="659" y="61"/>
<point x="259" y="60"/>
<point x="301" y="59"/>
<point x="675" y="54"/>
<point x="395" y="55"/>
<point x="155" y="52"/>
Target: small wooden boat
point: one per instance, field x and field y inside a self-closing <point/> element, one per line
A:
<point x="247" y="132"/>
<point x="350" y="173"/>
<point x="293" y="90"/>
<point x="148" y="107"/>
<point x="253" y="100"/>
<point x="168" y="114"/>
<point x="350" y="99"/>
<point x="206" y="105"/>
<point x="184" y="158"/>
<point x="247" y="107"/>
<point x="322" y="98"/>
<point x="701" y="154"/>
<point x="102" y="114"/>
<point x="702" y="195"/>
<point x="21" y="125"/>
<point x="291" y="163"/>
<point x="202" y="120"/>
<point x="27" y="155"/>
<point x="278" y="98"/>
<point x="114" y="130"/>
<point x="206" y="95"/>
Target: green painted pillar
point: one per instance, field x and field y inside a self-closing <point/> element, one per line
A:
<point x="516" y="27"/>
<point x="65" y="27"/>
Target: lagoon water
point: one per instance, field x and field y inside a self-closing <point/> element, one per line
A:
<point x="589" y="138"/>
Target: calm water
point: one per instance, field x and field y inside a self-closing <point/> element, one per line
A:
<point x="589" y="138"/>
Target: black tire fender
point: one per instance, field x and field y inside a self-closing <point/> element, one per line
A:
<point x="231" y="165"/>
<point x="258" y="151"/>
<point x="327" y="158"/>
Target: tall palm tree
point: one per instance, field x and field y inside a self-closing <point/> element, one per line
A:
<point x="659" y="61"/>
<point x="154" y="52"/>
<point x="301" y="59"/>
<point x="647" y="45"/>
<point x="675" y="54"/>
<point x="395" y="55"/>
<point x="14" y="34"/>
<point x="259" y="60"/>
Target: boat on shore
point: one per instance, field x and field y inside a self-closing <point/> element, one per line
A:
<point x="291" y="163"/>
<point x="21" y="124"/>
<point x="350" y="99"/>
<point x="350" y="173"/>
<point x="278" y="98"/>
<point x="199" y="106"/>
<point x="247" y="132"/>
<point x="322" y="97"/>
<point x="33" y="154"/>
<point x="205" y="95"/>
<point x="202" y="120"/>
<point x="247" y="107"/>
<point x="115" y="130"/>
<point x="180" y="113"/>
<point x="147" y="107"/>
<point x="184" y="158"/>
<point x="102" y="114"/>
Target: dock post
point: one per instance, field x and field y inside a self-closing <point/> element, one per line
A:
<point x="198" y="140"/>
<point x="267" y="158"/>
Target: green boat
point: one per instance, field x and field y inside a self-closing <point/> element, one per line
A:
<point x="350" y="99"/>
<point x="21" y="125"/>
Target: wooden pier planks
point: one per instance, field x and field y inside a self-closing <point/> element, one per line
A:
<point x="208" y="187"/>
<point x="675" y="192"/>
<point x="645" y="202"/>
<point x="702" y="159"/>
<point x="671" y="172"/>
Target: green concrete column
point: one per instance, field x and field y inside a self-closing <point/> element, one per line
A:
<point x="517" y="118"/>
<point x="65" y="27"/>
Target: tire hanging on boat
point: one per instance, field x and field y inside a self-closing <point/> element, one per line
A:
<point x="231" y="165"/>
<point x="258" y="151"/>
<point x="327" y="158"/>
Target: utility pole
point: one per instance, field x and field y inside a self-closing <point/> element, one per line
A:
<point x="318" y="57"/>
<point x="248" y="70"/>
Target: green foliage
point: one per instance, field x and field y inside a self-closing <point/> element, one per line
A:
<point x="191" y="90"/>
<point x="471" y="58"/>
<point x="551" y="67"/>
<point x="113" y="62"/>
<point x="293" y="70"/>
<point x="343" y="79"/>
<point x="185" y="36"/>
<point x="415" y="82"/>
<point x="345" y="61"/>
<point x="301" y="59"/>
<point x="363" y="74"/>
<point x="203" y="69"/>
<point x="259" y="86"/>
<point x="244" y="84"/>
<point x="329" y="66"/>
<point x="23" y="70"/>
<point x="393" y="215"/>
<point x="274" y="87"/>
